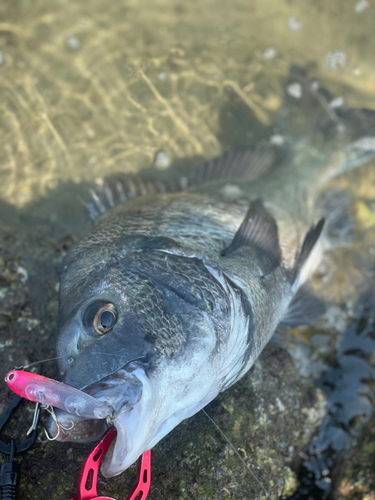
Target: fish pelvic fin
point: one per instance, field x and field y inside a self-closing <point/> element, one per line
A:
<point x="281" y="337"/>
<point x="304" y="256"/>
<point x="259" y="231"/>
<point x="304" y="308"/>
<point x="311" y="113"/>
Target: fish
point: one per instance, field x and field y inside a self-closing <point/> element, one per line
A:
<point x="178" y="285"/>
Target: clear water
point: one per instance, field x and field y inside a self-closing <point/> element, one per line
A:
<point x="88" y="89"/>
<point x="91" y="88"/>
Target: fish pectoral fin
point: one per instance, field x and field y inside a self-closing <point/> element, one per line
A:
<point x="308" y="246"/>
<point x="259" y="231"/>
<point x="281" y="337"/>
<point x="304" y="308"/>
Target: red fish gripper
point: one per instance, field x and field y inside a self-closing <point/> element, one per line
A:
<point x="89" y="473"/>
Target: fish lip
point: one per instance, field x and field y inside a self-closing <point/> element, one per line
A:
<point x="121" y="390"/>
<point x="128" y="425"/>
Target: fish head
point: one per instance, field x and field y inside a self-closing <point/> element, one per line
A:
<point x="139" y="328"/>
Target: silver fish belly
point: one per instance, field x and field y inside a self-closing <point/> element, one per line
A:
<point x="177" y="287"/>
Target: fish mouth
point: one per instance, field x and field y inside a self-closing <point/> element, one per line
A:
<point x="145" y="410"/>
<point x="121" y="390"/>
<point x="126" y="392"/>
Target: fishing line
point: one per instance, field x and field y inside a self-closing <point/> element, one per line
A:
<point x="24" y="367"/>
<point x="37" y="363"/>
<point x="236" y="452"/>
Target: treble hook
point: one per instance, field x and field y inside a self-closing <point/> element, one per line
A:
<point x="59" y="425"/>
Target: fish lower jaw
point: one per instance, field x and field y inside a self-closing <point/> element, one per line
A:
<point x="133" y="438"/>
<point x="123" y="453"/>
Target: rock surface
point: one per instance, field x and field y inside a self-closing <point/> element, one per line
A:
<point x="356" y="477"/>
<point x="268" y="416"/>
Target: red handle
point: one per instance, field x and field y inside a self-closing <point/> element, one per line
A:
<point x="89" y="473"/>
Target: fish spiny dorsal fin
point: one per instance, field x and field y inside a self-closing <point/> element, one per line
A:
<point x="249" y="164"/>
<point x="259" y="231"/>
<point x="309" y="243"/>
<point x="114" y="191"/>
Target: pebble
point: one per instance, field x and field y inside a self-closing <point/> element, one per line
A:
<point x="269" y="53"/>
<point x="162" y="160"/>
<point x="73" y="42"/>
<point x="293" y="24"/>
<point x="22" y="274"/>
<point x="335" y="60"/>
<point x="361" y="6"/>
<point x="277" y="139"/>
<point x="338" y="102"/>
<point x="295" y="90"/>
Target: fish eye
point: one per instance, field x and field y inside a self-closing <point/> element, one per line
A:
<point x="100" y="318"/>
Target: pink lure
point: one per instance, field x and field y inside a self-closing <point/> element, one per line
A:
<point x="49" y="392"/>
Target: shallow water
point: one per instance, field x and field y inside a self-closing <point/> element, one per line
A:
<point x="93" y="88"/>
<point x="88" y="89"/>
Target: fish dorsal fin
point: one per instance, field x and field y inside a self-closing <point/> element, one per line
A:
<point x="259" y="231"/>
<point x="309" y="243"/>
<point x="113" y="191"/>
<point x="304" y="308"/>
<point x="249" y="164"/>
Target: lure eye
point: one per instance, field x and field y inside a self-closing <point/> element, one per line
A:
<point x="100" y="318"/>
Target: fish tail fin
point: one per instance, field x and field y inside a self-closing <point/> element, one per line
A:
<point x="310" y="113"/>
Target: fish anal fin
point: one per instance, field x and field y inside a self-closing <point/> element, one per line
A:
<point x="304" y="308"/>
<point x="259" y="231"/>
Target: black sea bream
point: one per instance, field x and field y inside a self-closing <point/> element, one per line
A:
<point x="177" y="287"/>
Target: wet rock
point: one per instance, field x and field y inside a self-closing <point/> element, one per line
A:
<point x="356" y="477"/>
<point x="268" y="417"/>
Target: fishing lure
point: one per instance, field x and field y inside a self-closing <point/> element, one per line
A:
<point x="50" y="392"/>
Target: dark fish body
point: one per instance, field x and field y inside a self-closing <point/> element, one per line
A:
<point x="173" y="293"/>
